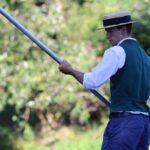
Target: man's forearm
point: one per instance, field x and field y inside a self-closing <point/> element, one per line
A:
<point x="77" y="75"/>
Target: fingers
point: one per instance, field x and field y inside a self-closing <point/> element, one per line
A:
<point x="62" y="65"/>
<point x="65" y="67"/>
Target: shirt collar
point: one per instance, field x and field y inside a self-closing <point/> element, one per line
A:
<point x="126" y="39"/>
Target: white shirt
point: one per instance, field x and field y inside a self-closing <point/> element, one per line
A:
<point x="113" y="59"/>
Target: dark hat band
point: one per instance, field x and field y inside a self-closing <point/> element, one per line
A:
<point x="115" y="21"/>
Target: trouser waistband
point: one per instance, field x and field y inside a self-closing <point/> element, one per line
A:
<point x="123" y="114"/>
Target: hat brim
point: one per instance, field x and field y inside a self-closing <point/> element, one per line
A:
<point x="115" y="25"/>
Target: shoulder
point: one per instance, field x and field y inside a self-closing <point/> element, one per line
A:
<point x="117" y="50"/>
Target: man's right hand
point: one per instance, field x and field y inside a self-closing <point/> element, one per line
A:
<point x="65" y="67"/>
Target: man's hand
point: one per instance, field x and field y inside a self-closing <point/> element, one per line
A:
<point x="65" y="67"/>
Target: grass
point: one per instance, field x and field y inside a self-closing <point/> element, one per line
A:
<point x="66" y="138"/>
<point x="81" y="139"/>
<point x="88" y="141"/>
<point x="32" y="146"/>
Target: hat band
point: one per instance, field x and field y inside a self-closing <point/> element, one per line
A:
<point x="116" y="21"/>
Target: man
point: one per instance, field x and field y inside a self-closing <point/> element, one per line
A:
<point x="127" y="66"/>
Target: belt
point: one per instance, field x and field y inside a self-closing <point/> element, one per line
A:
<point x="120" y="114"/>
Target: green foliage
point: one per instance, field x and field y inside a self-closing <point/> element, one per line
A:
<point x="8" y="139"/>
<point x="28" y="133"/>
<point x="30" y="75"/>
<point x="142" y="28"/>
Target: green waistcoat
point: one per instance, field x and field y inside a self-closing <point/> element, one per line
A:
<point x="130" y="86"/>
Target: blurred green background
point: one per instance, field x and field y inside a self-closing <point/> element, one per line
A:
<point x="41" y="109"/>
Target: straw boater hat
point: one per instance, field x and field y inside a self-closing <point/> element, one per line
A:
<point x="116" y="19"/>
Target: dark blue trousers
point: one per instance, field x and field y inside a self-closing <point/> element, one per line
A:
<point x="127" y="133"/>
<point x="149" y="133"/>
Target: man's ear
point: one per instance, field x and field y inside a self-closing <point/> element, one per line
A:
<point x="124" y="30"/>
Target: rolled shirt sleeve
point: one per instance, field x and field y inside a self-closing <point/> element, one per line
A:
<point x="113" y="59"/>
